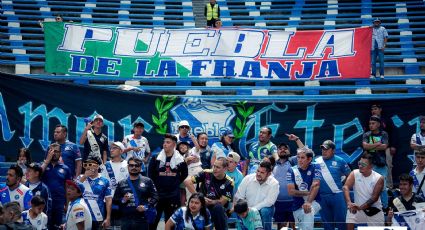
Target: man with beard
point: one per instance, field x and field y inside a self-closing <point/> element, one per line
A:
<point x="136" y="197"/>
<point x="283" y="205"/>
<point x="14" y="190"/>
<point x="54" y="176"/>
<point x="167" y="171"/>
<point x="331" y="197"/>
<point x="71" y="155"/>
<point x="260" y="190"/>
<point x="259" y="150"/>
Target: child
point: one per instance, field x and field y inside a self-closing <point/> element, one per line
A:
<point x="35" y="215"/>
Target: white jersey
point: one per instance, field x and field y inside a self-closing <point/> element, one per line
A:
<point x="39" y="222"/>
<point x="114" y="172"/>
<point x="131" y="141"/>
<point x="413" y="220"/>
<point x="363" y="188"/>
<point x="22" y="194"/>
<point x="78" y="211"/>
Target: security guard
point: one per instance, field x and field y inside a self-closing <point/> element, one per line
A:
<point x="212" y="13"/>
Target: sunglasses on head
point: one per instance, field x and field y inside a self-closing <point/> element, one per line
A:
<point x="133" y="165"/>
<point x="362" y="164"/>
<point x="85" y="165"/>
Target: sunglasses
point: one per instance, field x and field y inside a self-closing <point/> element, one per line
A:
<point x="114" y="147"/>
<point x="362" y="164"/>
<point x="184" y="127"/>
<point x="133" y="165"/>
<point x="85" y="165"/>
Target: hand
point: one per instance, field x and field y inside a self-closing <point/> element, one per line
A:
<point x="126" y="197"/>
<point x="390" y="213"/>
<point x="49" y="156"/>
<point x="292" y="137"/>
<point x="88" y="126"/>
<point x="89" y="173"/>
<point x="136" y="148"/>
<point x="140" y="208"/>
<point x="106" y="223"/>
<point x="353" y="207"/>
<point x="208" y="201"/>
<point x="307" y="207"/>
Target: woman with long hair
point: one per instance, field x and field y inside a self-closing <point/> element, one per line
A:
<point x="194" y="216"/>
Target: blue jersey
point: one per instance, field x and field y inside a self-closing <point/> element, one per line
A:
<point x="280" y="172"/>
<point x="96" y="190"/>
<point x="336" y="168"/>
<point x="40" y="189"/>
<point x="220" y="150"/>
<point x="54" y="177"/>
<point x="22" y="194"/>
<point x="179" y="220"/>
<point x="70" y="154"/>
<point x="237" y="177"/>
<point x="304" y="183"/>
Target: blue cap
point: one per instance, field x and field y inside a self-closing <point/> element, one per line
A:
<point x="227" y="132"/>
<point x="377" y="20"/>
<point x="76" y="185"/>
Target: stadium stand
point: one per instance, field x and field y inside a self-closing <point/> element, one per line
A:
<point x="22" y="45"/>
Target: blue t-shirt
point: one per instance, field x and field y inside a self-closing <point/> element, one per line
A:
<point x="280" y="172"/>
<point x="54" y="178"/>
<point x="96" y="190"/>
<point x="237" y="177"/>
<point x="311" y="173"/>
<point x="179" y="220"/>
<point x="337" y="168"/>
<point x="70" y="154"/>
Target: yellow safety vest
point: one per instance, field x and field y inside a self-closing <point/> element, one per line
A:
<point x="212" y="12"/>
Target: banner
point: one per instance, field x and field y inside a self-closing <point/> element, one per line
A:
<point x="30" y="109"/>
<point x="103" y="50"/>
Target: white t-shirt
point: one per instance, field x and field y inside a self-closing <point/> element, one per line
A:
<point x="120" y="172"/>
<point x="78" y="212"/>
<point x="194" y="153"/>
<point x="363" y="187"/>
<point x="39" y="222"/>
<point x="130" y="141"/>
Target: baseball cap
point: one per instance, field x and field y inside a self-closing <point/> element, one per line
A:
<point x="95" y="159"/>
<point x="377" y="20"/>
<point x="36" y="167"/>
<point x="184" y="123"/>
<point x="227" y="132"/>
<point x="235" y="156"/>
<point x="328" y="144"/>
<point x="375" y="106"/>
<point x="119" y="144"/>
<point x="98" y="116"/>
<point x="76" y="185"/>
<point x="183" y="143"/>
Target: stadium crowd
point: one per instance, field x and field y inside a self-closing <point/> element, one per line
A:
<point x="194" y="186"/>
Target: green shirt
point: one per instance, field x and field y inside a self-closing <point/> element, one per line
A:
<point x="252" y="221"/>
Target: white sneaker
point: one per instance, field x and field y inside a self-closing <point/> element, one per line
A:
<point x="372" y="77"/>
<point x="382" y="76"/>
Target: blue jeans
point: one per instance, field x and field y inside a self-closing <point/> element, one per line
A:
<point x="266" y="214"/>
<point x="384" y="194"/>
<point x="377" y="53"/>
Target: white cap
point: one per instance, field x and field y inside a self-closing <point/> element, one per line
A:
<point x="119" y="144"/>
<point x="98" y="116"/>
<point x="234" y="156"/>
<point x="184" y="123"/>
